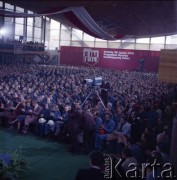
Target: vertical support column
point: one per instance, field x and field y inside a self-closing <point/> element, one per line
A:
<point x="33" y="29"/>
<point x="3" y="54"/>
<point x="60" y="36"/>
<point x="44" y="29"/>
<point x="135" y="45"/>
<point x="25" y="28"/>
<point x="71" y="34"/>
<point x="165" y="42"/>
<point x="149" y="43"/>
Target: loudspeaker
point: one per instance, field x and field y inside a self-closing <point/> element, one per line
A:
<point x="167" y="66"/>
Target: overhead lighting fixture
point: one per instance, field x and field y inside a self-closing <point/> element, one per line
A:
<point x="3" y="31"/>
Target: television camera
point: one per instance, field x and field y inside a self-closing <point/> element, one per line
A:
<point x="94" y="84"/>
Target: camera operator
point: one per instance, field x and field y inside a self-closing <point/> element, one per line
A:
<point x="105" y="86"/>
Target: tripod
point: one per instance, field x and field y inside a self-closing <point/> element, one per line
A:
<point x="94" y="92"/>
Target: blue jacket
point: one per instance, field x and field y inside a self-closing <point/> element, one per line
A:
<point x="109" y="126"/>
<point x="99" y="122"/>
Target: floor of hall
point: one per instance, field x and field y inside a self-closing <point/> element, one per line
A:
<point x="48" y="160"/>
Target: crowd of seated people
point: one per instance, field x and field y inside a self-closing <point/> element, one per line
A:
<point x="33" y="46"/>
<point x="27" y="46"/>
<point x="136" y="122"/>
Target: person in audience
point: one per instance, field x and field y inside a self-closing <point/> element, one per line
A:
<point x="21" y="117"/>
<point x="61" y="120"/>
<point x="89" y="130"/>
<point x="156" y="172"/>
<point x="106" y="128"/>
<point x="95" y="171"/>
<point x="74" y="125"/>
<point x="98" y="121"/>
<point x="123" y="127"/>
<point x="45" y="114"/>
<point x="128" y="159"/>
<point x="33" y="117"/>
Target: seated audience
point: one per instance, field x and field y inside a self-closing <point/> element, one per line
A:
<point x="138" y="113"/>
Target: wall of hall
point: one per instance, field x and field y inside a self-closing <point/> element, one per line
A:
<point x="119" y="59"/>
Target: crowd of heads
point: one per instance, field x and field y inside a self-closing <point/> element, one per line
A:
<point x="27" y="46"/>
<point x="134" y="98"/>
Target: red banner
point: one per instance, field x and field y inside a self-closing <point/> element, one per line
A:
<point x="120" y="59"/>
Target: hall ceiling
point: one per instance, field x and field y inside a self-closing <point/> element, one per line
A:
<point x="135" y="18"/>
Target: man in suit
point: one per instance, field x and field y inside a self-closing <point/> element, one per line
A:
<point x="33" y="117"/>
<point x="74" y="127"/>
<point x="94" y="172"/>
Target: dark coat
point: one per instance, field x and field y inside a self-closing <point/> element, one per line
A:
<point x="88" y="174"/>
<point x="88" y="122"/>
<point x="74" y="122"/>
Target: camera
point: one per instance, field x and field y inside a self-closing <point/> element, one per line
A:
<point x="97" y="81"/>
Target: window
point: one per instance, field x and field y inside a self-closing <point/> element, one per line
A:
<point x="77" y="43"/>
<point x="156" y="47"/>
<point x="158" y="40"/>
<point x="30" y="21"/>
<point x="38" y="22"/>
<point x="171" y="39"/>
<point x="142" y="43"/>
<point x="37" y="39"/>
<point x="9" y="19"/>
<point x="19" y="29"/>
<point x="37" y="32"/>
<point x="88" y="43"/>
<point x="64" y="43"/>
<point x="9" y="6"/>
<point x="77" y="35"/>
<point x="66" y="33"/>
<point x="19" y="9"/>
<point x="171" y="46"/>
<point x="114" y="44"/>
<point x="101" y="44"/>
<point x="142" y="40"/>
<point x="29" y="39"/>
<point x="29" y="31"/>
<point x="30" y="12"/>
<point x="19" y="20"/>
<point x="54" y="34"/>
<point x="128" y="40"/>
<point x="142" y="46"/>
<point x="128" y="45"/>
<point x="53" y="44"/>
<point x="54" y="24"/>
<point x="88" y="37"/>
<point x="8" y="30"/>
